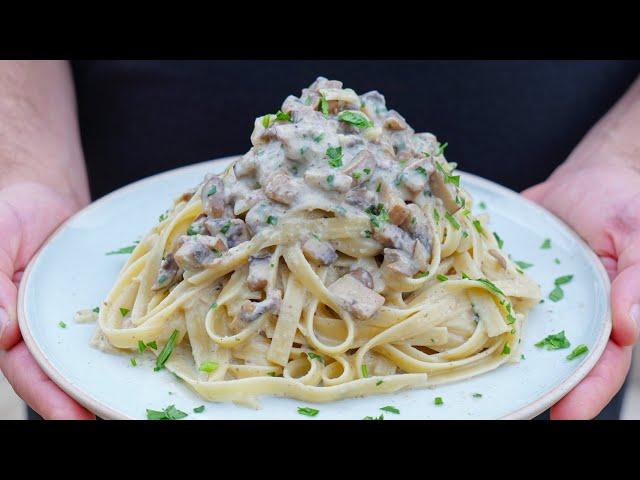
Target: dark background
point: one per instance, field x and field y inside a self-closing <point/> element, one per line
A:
<point x="510" y="121"/>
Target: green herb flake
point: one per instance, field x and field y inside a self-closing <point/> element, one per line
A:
<point x="169" y="413"/>
<point x="308" y="411"/>
<point x="478" y="227"/>
<point x="438" y="401"/>
<point x="579" y="350"/>
<point x="523" y="265"/>
<point x="335" y="156"/>
<point x="199" y="409"/>
<point x="556" y="261"/>
<point x="124" y="250"/>
<point x="448" y="178"/>
<point x="365" y="371"/>
<point x="563" y="280"/>
<point x="166" y="351"/>
<point x="477" y="395"/>
<point x="213" y="306"/>
<point x="209" y="367"/>
<point x="271" y="220"/>
<point x="499" y="240"/>
<point x="271" y="374"/>
<point x="266" y="121"/>
<point x="62" y="325"/>
<point x="490" y="286"/>
<point x="556" y="294"/>
<point x="283" y="117"/>
<point x="422" y="171"/>
<point x="465" y="276"/>
<point x="442" y="278"/>
<point x="124" y="311"/>
<point x="356" y="119"/>
<point x="141" y="346"/>
<point x="482" y="205"/>
<point x="390" y="409"/>
<point x="96" y="310"/>
<point x="554" y="342"/>
<point x="546" y="244"/>
<point x="506" y="350"/>
<point x="381" y="417"/>
<point x="324" y="106"/>
<point x="225" y="228"/>
<point x="454" y="223"/>
<point x="315" y="356"/>
<point x="436" y="215"/>
<point x="522" y="357"/>
<point x="134" y="362"/>
<point x="379" y="382"/>
<point x="330" y="179"/>
<point x="378" y="187"/>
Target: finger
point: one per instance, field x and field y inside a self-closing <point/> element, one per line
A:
<point x="35" y="388"/>
<point x="535" y="193"/>
<point x="625" y="306"/>
<point x="9" y="330"/>
<point x="597" y="389"/>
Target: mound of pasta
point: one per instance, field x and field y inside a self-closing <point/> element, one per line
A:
<point x="339" y="257"/>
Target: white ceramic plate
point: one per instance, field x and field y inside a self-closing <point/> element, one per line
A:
<point x="72" y="272"/>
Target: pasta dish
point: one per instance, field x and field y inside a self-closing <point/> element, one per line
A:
<point x="338" y="257"/>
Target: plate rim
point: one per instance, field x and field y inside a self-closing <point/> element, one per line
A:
<point x="104" y="411"/>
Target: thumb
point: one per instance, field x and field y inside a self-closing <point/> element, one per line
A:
<point x="535" y="193"/>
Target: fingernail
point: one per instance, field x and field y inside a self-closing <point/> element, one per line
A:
<point x="635" y="313"/>
<point x="4" y="319"/>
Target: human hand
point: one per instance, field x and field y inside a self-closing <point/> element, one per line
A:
<point x="29" y="212"/>
<point x="602" y="204"/>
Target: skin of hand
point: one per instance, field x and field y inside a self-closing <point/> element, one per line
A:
<point x="42" y="182"/>
<point x="597" y="193"/>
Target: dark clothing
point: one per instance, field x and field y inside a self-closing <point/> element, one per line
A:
<point x="510" y="121"/>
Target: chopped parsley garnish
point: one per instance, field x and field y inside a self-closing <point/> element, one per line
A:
<point x="308" y="411"/>
<point x="124" y="311"/>
<point x="422" y="171"/>
<point x="378" y="188"/>
<point x="134" y="362"/>
<point x="377" y="214"/>
<point x="318" y="138"/>
<point x="212" y="191"/>
<point x="213" y="305"/>
<point x="283" y="117"/>
<point x="442" y="278"/>
<point x="62" y="325"/>
<point x="381" y="417"/>
<point x="166" y="351"/>
<point x="356" y="119"/>
<point x="498" y="239"/>
<point x="482" y="205"/>
<point x="367" y="171"/>
<point x="442" y="148"/>
<point x="192" y="231"/>
<point x="335" y="156"/>
<point x="554" y="342"/>
<point x="266" y="121"/>
<point x="546" y="244"/>
<point x="477" y="395"/>
<point x="556" y="294"/>
<point x="271" y="220"/>
<point x="478" y="226"/>
<point x="367" y="234"/>
<point x="142" y="347"/>
<point x="330" y="179"/>
<point x="452" y="221"/>
<point x="209" y="367"/>
<point x="169" y="413"/>
<point x="490" y="286"/>
<point x="199" y="409"/>
<point x="436" y="215"/>
<point x="438" y="401"/>
<point x="465" y="276"/>
<point x="390" y="409"/>
<point x="365" y="372"/>
<point x="422" y="274"/>
<point x="579" y="350"/>
<point x="379" y="382"/>
<point x="96" y="310"/>
<point x="448" y="178"/>
<point x="356" y="175"/>
<point x="523" y="265"/>
<point x="225" y="228"/>
<point x="522" y="357"/>
<point x="506" y="350"/>
<point x="324" y="106"/>
<point x="162" y="217"/>
<point x="315" y="356"/>
<point x="563" y="280"/>
<point x="271" y="374"/>
<point x="123" y="250"/>
<point x="557" y="261"/>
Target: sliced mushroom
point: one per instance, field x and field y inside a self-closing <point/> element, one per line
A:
<point x="499" y="257"/>
<point x="259" y="271"/>
<point x="418" y="227"/>
<point x="212" y="196"/>
<point x="398" y="210"/>
<point x="167" y="274"/>
<point x="391" y="236"/>
<point x="357" y="299"/>
<point x="251" y="311"/>
<point x="363" y="276"/>
<point x="400" y="262"/>
<point x="246" y="165"/>
<point x="282" y="188"/>
<point x="319" y="251"/>
<point x="360" y="197"/>
<point x="248" y="201"/>
<point x="328" y="180"/>
<point x="234" y="230"/>
<point x="394" y="121"/>
<point x="361" y="167"/>
<point x="196" y="251"/>
<point x="421" y="255"/>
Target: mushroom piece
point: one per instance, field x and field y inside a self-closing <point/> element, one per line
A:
<point x="416" y="224"/>
<point x="196" y="251"/>
<point x="167" y="274"/>
<point x="391" y="236"/>
<point x="212" y="196"/>
<point x="400" y="262"/>
<point x="394" y="121"/>
<point x="186" y="196"/>
<point x="499" y="257"/>
<point x="248" y="201"/>
<point x="361" y="167"/>
<point x="363" y="276"/>
<point x="319" y="251"/>
<point x="259" y="271"/>
<point x="398" y="210"/>
<point x="357" y="299"/>
<point x="328" y="180"/>
<point x="444" y="191"/>
<point x="420" y="255"/>
<point x="281" y="188"/>
<point x="234" y="230"/>
<point x="360" y="197"/>
<point x="246" y="165"/>
<point x="251" y="311"/>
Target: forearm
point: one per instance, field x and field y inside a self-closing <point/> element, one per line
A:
<point x="39" y="137"/>
<point x="614" y="140"/>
